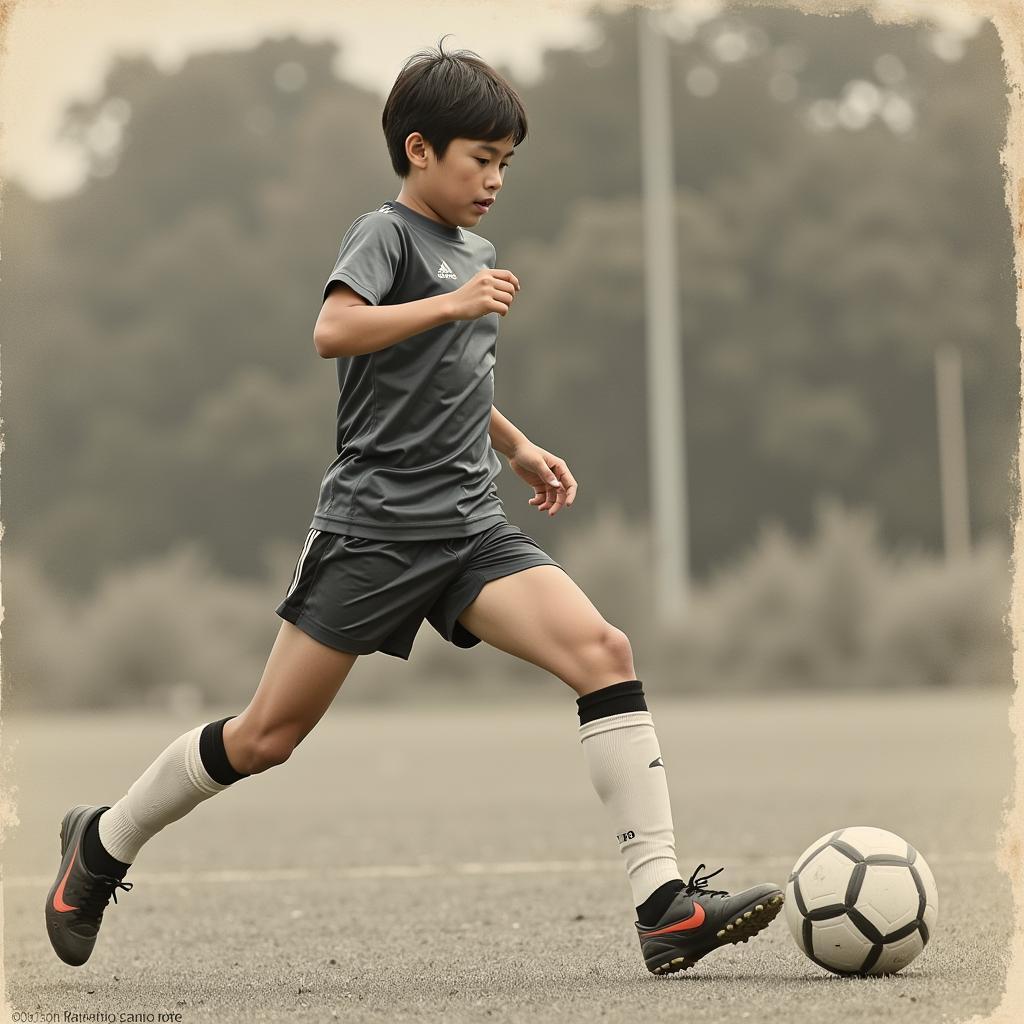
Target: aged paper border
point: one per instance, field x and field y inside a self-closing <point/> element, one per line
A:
<point x="1007" y="16"/>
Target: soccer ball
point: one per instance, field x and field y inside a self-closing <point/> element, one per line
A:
<point x="861" y="901"/>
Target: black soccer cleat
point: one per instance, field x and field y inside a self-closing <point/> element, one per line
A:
<point x="700" y="919"/>
<point x="77" y="898"/>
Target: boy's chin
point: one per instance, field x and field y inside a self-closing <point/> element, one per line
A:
<point x="460" y="218"/>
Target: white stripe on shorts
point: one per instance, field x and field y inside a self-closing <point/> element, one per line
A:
<point x="313" y="534"/>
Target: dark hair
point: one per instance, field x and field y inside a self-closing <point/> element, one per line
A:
<point x="444" y="96"/>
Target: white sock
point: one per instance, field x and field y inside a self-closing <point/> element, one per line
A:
<point x="169" y="788"/>
<point x="620" y="751"/>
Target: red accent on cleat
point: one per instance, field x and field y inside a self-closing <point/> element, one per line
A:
<point x="58" y="897"/>
<point x="695" y="920"/>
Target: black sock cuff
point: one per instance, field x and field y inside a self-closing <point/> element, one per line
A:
<point x="617" y="699"/>
<point x="649" y="912"/>
<point x="214" y="756"/>
<point x="97" y="858"/>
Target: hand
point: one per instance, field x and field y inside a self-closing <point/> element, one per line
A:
<point x="487" y="291"/>
<point x="554" y="486"/>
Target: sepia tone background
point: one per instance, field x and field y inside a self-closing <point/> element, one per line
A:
<point x="841" y="219"/>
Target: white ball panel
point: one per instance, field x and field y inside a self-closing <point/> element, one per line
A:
<point x="824" y="880"/>
<point x="888" y="897"/>
<point x="820" y="841"/>
<point x="897" y="955"/>
<point x="839" y="944"/>
<point x="870" y="841"/>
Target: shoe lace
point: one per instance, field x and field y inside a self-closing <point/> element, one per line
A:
<point x="698" y="884"/>
<point x="96" y="893"/>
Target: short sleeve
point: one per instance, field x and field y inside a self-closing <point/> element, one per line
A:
<point x="370" y="257"/>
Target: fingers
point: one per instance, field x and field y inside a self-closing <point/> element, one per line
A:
<point x="564" y="489"/>
<point x="550" y="500"/>
<point x="558" y="495"/>
<point x="507" y="275"/>
<point x="499" y="288"/>
<point x="503" y="293"/>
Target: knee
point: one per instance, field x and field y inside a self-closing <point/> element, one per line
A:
<point x="618" y="652"/>
<point x="256" y="752"/>
<point x="607" y="659"/>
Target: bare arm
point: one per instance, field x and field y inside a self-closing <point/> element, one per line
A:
<point x="505" y="435"/>
<point x="348" y="325"/>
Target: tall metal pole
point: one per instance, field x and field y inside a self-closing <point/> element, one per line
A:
<point x="956" y="528"/>
<point x="665" y="421"/>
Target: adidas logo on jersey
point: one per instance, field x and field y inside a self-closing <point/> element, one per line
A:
<point x="445" y="271"/>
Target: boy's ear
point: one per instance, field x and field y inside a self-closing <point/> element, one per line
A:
<point x="416" y="149"/>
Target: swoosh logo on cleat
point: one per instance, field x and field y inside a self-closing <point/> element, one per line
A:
<point x="657" y="763"/>
<point x="58" y="897"/>
<point x="695" y="920"/>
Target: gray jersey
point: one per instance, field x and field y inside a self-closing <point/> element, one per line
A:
<point x="414" y="460"/>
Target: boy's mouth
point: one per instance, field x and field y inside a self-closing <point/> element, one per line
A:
<point x="482" y="205"/>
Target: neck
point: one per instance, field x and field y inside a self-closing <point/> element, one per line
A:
<point x="414" y="202"/>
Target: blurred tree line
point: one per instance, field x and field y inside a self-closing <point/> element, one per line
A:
<point x="834" y="610"/>
<point x="162" y="393"/>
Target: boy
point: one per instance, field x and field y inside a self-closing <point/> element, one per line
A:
<point x="408" y="526"/>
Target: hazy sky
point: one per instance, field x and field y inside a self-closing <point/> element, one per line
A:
<point x="59" y="50"/>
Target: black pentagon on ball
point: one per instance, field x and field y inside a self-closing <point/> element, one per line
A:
<point x="856" y="881"/>
<point x="922" y="901"/>
<point x="865" y="927"/>
<point x="871" y="959"/>
<point x="798" y="895"/>
<point x="846" y="849"/>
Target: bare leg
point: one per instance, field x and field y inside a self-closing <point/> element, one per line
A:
<point x="542" y="616"/>
<point x="301" y="678"/>
<point x="300" y="681"/>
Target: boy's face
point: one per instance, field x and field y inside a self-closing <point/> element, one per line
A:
<point x="458" y="187"/>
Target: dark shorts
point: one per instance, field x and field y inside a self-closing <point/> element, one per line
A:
<point x="361" y="595"/>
